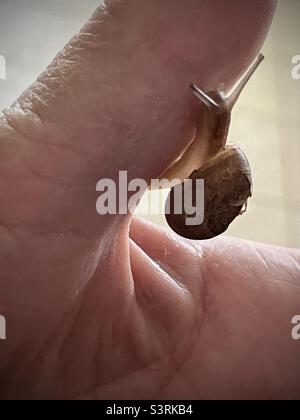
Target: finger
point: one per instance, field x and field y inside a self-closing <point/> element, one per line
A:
<point x="176" y="256"/>
<point x="117" y="98"/>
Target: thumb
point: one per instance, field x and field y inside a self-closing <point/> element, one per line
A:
<point x="117" y="98"/>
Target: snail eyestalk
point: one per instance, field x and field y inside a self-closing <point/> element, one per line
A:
<point x="203" y="97"/>
<point x="233" y="95"/>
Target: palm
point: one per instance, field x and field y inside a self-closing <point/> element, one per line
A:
<point x="176" y="327"/>
<point x="92" y="313"/>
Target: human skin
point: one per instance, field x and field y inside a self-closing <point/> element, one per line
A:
<point x="97" y="306"/>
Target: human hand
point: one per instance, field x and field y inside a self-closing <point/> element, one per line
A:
<point x="99" y="309"/>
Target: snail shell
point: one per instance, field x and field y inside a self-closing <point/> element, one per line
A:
<point x="227" y="188"/>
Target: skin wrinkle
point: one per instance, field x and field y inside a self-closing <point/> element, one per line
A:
<point x="158" y="328"/>
<point x="38" y="230"/>
<point x="24" y="122"/>
<point x="8" y="230"/>
<point x="100" y="392"/>
<point x="138" y="318"/>
<point x="167" y="271"/>
<point x="151" y="346"/>
<point x="44" y="348"/>
<point x="112" y="380"/>
<point x="69" y="332"/>
<point x="71" y="314"/>
<point x="38" y="174"/>
<point x="20" y="135"/>
<point x="155" y="330"/>
<point x="174" y="365"/>
<point x="36" y="140"/>
<point x="263" y="259"/>
<point x="204" y="262"/>
<point x="185" y="350"/>
<point x="170" y="270"/>
<point x="171" y="243"/>
<point x="45" y="89"/>
<point x="172" y="274"/>
<point x="138" y="300"/>
<point x="109" y="383"/>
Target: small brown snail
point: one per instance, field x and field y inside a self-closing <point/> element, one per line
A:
<point x="223" y="167"/>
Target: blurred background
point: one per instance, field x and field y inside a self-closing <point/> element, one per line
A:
<point x="266" y="121"/>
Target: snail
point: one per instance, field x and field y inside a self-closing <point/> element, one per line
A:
<point x="223" y="166"/>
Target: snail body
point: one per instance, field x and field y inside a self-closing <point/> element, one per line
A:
<point x="211" y="135"/>
<point x="224" y="168"/>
